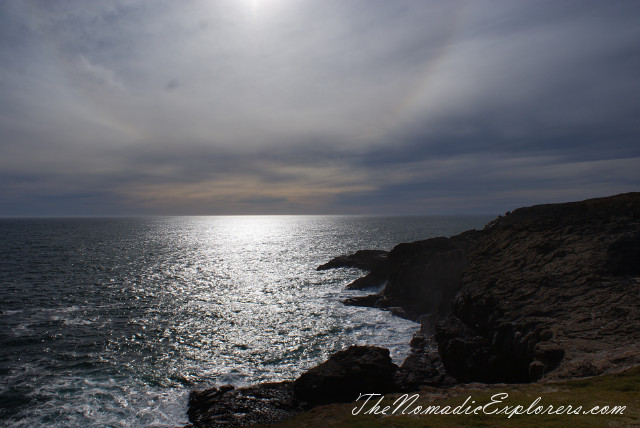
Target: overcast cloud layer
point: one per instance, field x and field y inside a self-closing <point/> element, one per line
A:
<point x="326" y="106"/>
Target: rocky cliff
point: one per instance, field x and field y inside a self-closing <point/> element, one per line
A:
<point x="550" y="291"/>
<point x="421" y="277"/>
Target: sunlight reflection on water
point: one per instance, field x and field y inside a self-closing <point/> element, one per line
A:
<point x="142" y="308"/>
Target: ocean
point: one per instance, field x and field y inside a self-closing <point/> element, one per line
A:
<point x="112" y="321"/>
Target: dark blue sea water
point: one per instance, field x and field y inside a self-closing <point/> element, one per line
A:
<point x="112" y="321"/>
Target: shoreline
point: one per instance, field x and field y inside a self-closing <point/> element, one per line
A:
<point x="542" y="293"/>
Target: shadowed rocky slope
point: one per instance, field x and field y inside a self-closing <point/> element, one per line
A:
<point x="549" y="291"/>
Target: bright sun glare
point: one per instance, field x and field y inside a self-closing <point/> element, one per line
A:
<point x="262" y="6"/>
<point x="256" y="5"/>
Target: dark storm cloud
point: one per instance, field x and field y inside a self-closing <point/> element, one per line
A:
<point x="281" y="106"/>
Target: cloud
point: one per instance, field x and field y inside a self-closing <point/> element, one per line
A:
<point x="97" y="74"/>
<point x="315" y="106"/>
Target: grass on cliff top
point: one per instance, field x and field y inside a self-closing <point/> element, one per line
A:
<point x="622" y="389"/>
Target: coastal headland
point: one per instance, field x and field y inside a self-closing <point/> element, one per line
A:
<point x="542" y="294"/>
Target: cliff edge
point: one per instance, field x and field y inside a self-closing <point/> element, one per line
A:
<point x="549" y="291"/>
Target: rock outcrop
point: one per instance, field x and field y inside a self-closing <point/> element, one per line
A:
<point x="425" y="275"/>
<point x="423" y="366"/>
<point x="362" y="259"/>
<point x="420" y="277"/>
<point x="265" y="403"/>
<point x="345" y="375"/>
<point x="373" y="261"/>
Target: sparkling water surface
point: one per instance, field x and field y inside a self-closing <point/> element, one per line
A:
<point x="112" y="321"/>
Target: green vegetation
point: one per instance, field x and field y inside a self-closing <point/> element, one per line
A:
<point x="622" y="389"/>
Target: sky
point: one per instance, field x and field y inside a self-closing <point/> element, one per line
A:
<point x="315" y="106"/>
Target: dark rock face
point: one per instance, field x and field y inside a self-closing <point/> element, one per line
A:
<point x="548" y="292"/>
<point x="420" y="277"/>
<point x="471" y="357"/>
<point x="228" y="406"/>
<point x="623" y="255"/>
<point x="373" y="279"/>
<point x="368" y="301"/>
<point x="425" y="275"/>
<point x="345" y="375"/>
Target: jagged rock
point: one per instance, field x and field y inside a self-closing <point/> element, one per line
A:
<point x="373" y="279"/>
<point x="345" y="375"/>
<point x="374" y="261"/>
<point x="228" y="406"/>
<point x="341" y="378"/>
<point x="369" y="301"/>
<point x="363" y="259"/>
<point x="470" y="357"/>
<point x="423" y="366"/>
